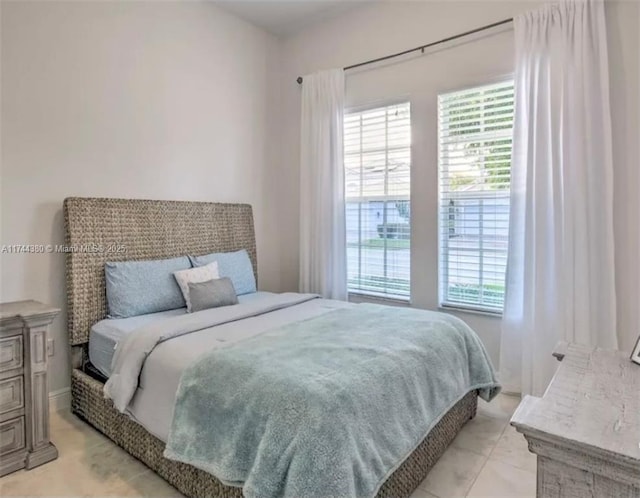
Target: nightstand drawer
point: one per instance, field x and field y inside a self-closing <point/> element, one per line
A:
<point x="11" y="435"/>
<point x="10" y="353"/>
<point x="11" y="394"/>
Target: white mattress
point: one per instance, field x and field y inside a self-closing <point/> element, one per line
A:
<point x="105" y="335"/>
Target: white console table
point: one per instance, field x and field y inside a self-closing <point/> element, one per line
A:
<point x="585" y="430"/>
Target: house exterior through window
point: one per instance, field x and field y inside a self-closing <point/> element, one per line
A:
<point x="377" y="158"/>
<point x="475" y="141"/>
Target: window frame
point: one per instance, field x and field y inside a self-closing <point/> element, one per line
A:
<point x="442" y="266"/>
<point x="364" y="295"/>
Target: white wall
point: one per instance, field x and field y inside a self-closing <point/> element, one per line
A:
<point x="162" y="100"/>
<point x="383" y="28"/>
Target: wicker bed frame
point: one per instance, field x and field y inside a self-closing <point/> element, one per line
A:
<point x="101" y="230"/>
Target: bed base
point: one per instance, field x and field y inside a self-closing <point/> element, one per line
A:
<point x="89" y="404"/>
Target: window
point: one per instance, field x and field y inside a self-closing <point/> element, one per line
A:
<point x="475" y="138"/>
<point x="377" y="158"/>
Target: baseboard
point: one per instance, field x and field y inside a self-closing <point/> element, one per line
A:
<point x="60" y="400"/>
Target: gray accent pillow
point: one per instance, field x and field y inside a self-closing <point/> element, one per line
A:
<point x="140" y="287"/>
<point x="212" y="294"/>
<point x="235" y="265"/>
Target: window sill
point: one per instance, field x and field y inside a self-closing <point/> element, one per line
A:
<point x="471" y="311"/>
<point x="360" y="297"/>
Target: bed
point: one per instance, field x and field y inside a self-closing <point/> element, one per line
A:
<point x="96" y="231"/>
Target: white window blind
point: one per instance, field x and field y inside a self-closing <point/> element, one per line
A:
<point x="475" y="140"/>
<point x="377" y="158"/>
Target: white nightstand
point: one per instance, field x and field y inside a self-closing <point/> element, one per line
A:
<point x="24" y="391"/>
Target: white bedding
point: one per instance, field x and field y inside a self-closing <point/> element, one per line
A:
<point x="105" y="335"/>
<point x="152" y="404"/>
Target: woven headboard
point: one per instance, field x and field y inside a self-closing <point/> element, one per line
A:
<point x="97" y="229"/>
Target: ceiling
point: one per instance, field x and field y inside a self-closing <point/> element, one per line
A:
<point x="284" y="18"/>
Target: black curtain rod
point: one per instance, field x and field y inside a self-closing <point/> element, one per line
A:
<point x="422" y="47"/>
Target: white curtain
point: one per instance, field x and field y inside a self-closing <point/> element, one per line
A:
<point x="323" y="265"/>
<point x="560" y="273"/>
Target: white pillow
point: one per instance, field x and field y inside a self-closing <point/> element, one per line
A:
<point x="195" y="276"/>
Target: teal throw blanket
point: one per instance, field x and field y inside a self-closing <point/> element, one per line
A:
<point x="325" y="407"/>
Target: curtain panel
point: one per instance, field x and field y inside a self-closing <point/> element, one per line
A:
<point x="323" y="265"/>
<point x="560" y="271"/>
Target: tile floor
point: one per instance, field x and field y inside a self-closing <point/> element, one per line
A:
<point x="487" y="459"/>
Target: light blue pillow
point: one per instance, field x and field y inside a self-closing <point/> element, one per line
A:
<point x="235" y="265"/>
<point x="140" y="287"/>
